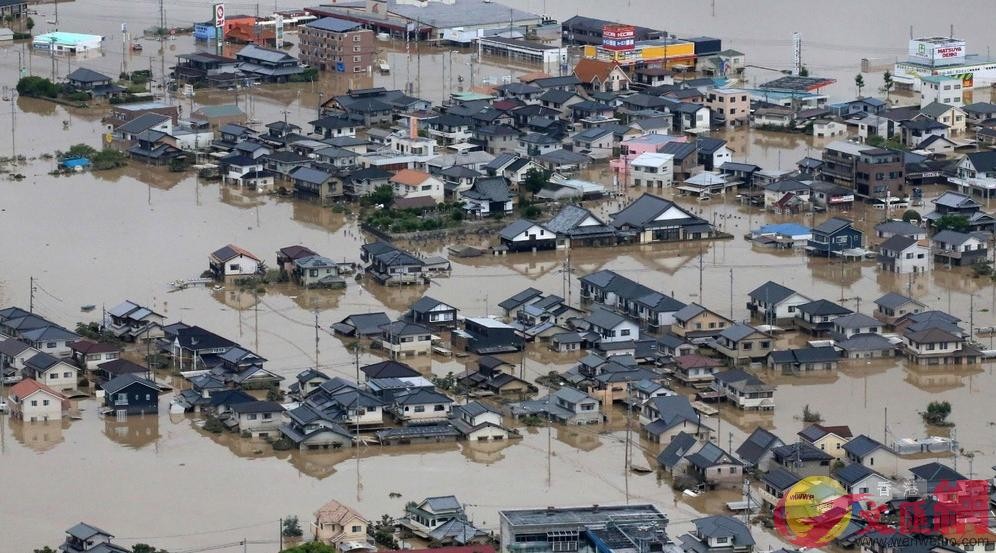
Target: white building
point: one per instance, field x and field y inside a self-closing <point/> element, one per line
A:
<point x="35" y="402"/>
<point x="653" y="170"/>
<point x="409" y="183"/>
<point x="903" y="255"/>
<point x="233" y="261"/>
<point x="67" y="43"/>
<point x="943" y="89"/>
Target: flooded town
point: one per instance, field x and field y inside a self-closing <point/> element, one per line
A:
<point x="482" y="276"/>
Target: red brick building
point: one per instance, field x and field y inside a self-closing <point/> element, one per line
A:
<point x="331" y="44"/>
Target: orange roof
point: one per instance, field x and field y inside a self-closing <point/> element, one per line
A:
<point x="410" y="177"/>
<point x="29" y="386"/>
<point x="590" y="69"/>
<point x="530" y="77"/>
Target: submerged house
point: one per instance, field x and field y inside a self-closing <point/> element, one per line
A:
<point x="651" y="218"/>
<point x="565" y="405"/>
<point x="834" y="236"/>
<point x="131" y="394"/>
<point x="232" y="260"/>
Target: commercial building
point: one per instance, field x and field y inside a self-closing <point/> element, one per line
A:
<point x="943" y="56"/>
<point x="67" y="43"/>
<point x="459" y="21"/>
<point x="331" y="44"/>
<point x="585" y="529"/>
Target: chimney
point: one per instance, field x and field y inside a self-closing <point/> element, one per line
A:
<point x="412" y="127"/>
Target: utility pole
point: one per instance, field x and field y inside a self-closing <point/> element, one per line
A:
<point x="162" y="46"/>
<point x="281" y="532"/>
<point x="13" y="133"/>
<point x="255" y="315"/>
<point x="316" y="340"/>
<point x="700" y="275"/>
<point x="731" y="293"/>
<point x="31" y="297"/>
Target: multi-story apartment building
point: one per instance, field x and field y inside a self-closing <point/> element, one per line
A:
<point x="331" y="44"/>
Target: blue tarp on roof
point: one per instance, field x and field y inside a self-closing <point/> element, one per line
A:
<point x="790" y="229"/>
<point x="75" y="162"/>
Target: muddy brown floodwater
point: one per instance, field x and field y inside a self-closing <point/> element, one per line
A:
<point x="104" y="237"/>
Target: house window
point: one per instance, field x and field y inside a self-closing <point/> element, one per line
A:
<point x="50" y="345"/>
<point x="251" y="416"/>
<point x="67" y="375"/>
<point x="34" y="403"/>
<point x="439" y="408"/>
<point x="624" y="332"/>
<point x="53" y="376"/>
<point x="420" y="408"/>
<point x="355" y="528"/>
<point x="45" y="402"/>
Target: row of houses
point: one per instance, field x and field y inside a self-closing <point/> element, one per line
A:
<point x="646" y="219"/>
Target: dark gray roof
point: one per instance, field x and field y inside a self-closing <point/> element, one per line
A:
<point x="707" y="145"/>
<point x="603" y="318"/>
<point x="389" y="369"/>
<point x="334" y="25"/>
<point x="799" y="452"/>
<point x="756" y="445"/>
<point x="643" y="210"/>
<point x="680" y="150"/>
<point x="936" y="472"/>
<point x="516" y="228"/>
<point x="951" y="237"/>
<point x="852" y="474"/>
<point x="675" y="451"/>
<point x="780" y="479"/>
<point x="897" y="243"/>
<point x="84" y="531"/>
<point x="84" y="75"/>
<point x="257" y="407"/>
<point x="142" y="123"/>
<point x="570" y="216"/>
<point x="899" y="227"/>
<point x="718" y="526"/>
<point x="425" y="303"/>
<point x="121" y="382"/>
<point x="738" y="332"/>
<point x="856" y="320"/>
<point x="492" y="189"/>
<point x="866" y="342"/>
<point x="823" y="307"/>
<point x="520" y="298"/>
<point x="710" y="455"/>
<point x="862" y="445"/>
<point x="771" y="292"/>
<point x="821" y="354"/>
<point x="833" y="225"/>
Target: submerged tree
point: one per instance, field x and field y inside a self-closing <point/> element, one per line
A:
<point x="291" y="527"/>
<point x="937" y="413"/>
<point x="859" y="81"/>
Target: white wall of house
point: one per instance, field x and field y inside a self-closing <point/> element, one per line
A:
<point x="627" y="330"/>
<point x="260" y="424"/>
<point x="241" y="265"/>
<point x="915" y="259"/>
<point x="61" y="377"/>
<point x="94" y="359"/>
<point x="655" y="171"/>
<point x="39" y="407"/>
<point x="427" y="412"/>
<point x="874" y="487"/>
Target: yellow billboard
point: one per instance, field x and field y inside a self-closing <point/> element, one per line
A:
<point x="671" y="51"/>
